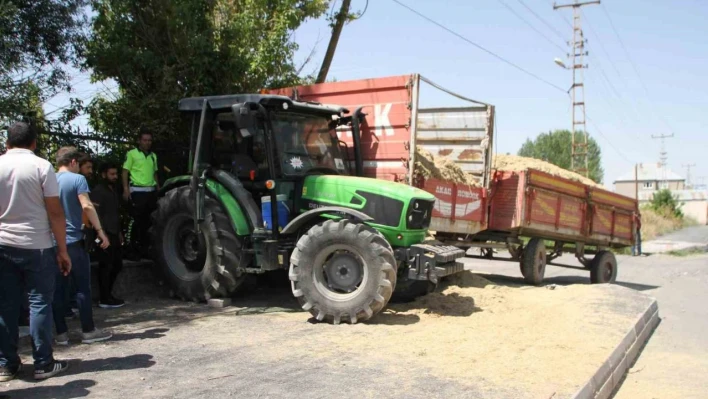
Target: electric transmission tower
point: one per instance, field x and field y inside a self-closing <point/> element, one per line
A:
<point x="663" y="155"/>
<point x="688" y="173"/>
<point x="579" y="146"/>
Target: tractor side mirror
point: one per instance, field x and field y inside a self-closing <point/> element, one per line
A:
<point x="245" y="118"/>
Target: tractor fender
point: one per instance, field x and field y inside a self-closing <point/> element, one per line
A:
<point x="243" y="197"/>
<point x="301" y="220"/>
<point x="174" y="182"/>
<point x="233" y="208"/>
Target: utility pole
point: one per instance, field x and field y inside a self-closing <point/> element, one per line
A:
<point x="579" y="148"/>
<point x="663" y="154"/>
<point x="688" y="173"/>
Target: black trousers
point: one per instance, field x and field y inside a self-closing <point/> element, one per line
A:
<point x="110" y="263"/>
<point x="143" y="204"/>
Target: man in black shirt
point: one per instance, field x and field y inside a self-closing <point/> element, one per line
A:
<point x="110" y="260"/>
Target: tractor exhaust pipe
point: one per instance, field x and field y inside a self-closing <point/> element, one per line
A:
<point x="356" y="138"/>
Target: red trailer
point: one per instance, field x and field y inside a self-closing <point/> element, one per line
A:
<point x="531" y="214"/>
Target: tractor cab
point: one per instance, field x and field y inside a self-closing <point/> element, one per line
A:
<point x="268" y="145"/>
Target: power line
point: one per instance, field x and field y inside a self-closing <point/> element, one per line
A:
<point x="566" y="20"/>
<point x="620" y="153"/>
<point x="542" y="20"/>
<point x="533" y="27"/>
<point x="500" y="58"/>
<point x="636" y="70"/>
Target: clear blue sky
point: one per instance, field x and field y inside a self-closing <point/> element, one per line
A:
<point x="665" y="39"/>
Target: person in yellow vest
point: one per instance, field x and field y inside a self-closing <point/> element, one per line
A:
<point x="140" y="186"/>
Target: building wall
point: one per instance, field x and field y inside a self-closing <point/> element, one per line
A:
<point x="627" y="188"/>
<point x="697" y="210"/>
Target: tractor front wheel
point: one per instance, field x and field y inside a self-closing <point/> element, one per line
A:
<point x="342" y="270"/>
<point x="196" y="265"/>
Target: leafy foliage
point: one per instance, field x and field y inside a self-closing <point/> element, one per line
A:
<point x="663" y="202"/>
<point x="38" y="40"/>
<point x="160" y="51"/>
<point x="555" y="147"/>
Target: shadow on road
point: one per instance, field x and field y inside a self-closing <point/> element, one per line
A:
<point x="510" y="281"/>
<point x="140" y="361"/>
<point x="152" y="333"/>
<point x="72" y="389"/>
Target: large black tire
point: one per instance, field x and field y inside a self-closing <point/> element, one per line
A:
<point x="196" y="266"/>
<point x="408" y="290"/>
<point x="603" y="268"/>
<point x="533" y="262"/>
<point x="357" y="255"/>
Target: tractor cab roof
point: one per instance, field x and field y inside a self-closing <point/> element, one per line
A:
<point x="194" y="104"/>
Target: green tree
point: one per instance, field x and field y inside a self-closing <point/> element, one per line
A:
<point x="665" y="203"/>
<point x="554" y="147"/>
<point x="160" y="51"/>
<point x="39" y="39"/>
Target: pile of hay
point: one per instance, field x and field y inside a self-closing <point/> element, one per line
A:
<point x="515" y="163"/>
<point x="429" y="166"/>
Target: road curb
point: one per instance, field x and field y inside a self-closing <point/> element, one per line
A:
<point x="613" y="369"/>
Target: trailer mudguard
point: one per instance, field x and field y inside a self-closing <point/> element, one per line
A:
<point x="302" y="219"/>
<point x="217" y="190"/>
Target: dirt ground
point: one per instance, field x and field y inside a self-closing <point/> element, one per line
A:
<point x="472" y="339"/>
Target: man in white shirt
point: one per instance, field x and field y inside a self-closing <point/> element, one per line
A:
<point x="30" y="213"/>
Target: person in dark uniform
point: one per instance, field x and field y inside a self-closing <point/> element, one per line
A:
<point x="110" y="260"/>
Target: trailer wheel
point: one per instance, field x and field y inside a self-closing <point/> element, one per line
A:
<point x="533" y="262"/>
<point x="197" y="266"/>
<point x="603" y="268"/>
<point x="342" y="269"/>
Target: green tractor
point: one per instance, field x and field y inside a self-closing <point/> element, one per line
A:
<point x="271" y="188"/>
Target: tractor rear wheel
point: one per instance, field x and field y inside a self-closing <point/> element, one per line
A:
<point x="342" y="270"/>
<point x="196" y="266"/>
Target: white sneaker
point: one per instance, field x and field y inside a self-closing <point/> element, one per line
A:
<point x="62" y="339"/>
<point x="95" y="336"/>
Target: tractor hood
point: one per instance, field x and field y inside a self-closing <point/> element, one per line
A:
<point x="390" y="204"/>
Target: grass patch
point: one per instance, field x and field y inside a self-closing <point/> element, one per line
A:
<point x="689" y="252"/>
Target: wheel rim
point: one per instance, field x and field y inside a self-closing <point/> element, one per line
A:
<point x="184" y="248"/>
<point x="541" y="261"/>
<point x="607" y="272"/>
<point x="339" y="272"/>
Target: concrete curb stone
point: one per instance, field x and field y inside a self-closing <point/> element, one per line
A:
<point x="610" y="373"/>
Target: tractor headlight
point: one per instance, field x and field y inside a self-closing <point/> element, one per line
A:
<point x="419" y="213"/>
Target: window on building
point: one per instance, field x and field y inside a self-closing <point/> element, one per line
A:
<point x="648" y="185"/>
<point x="664" y="185"/>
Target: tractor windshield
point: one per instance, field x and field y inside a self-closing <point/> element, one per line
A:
<point x="306" y="142"/>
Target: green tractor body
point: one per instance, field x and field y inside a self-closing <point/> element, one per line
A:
<point x="272" y="188"/>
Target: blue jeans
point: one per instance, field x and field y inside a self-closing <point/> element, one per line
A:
<point x="35" y="271"/>
<point x="637" y="247"/>
<point x="81" y="277"/>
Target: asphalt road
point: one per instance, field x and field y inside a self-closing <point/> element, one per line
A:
<point x="674" y="364"/>
<point x="165" y="348"/>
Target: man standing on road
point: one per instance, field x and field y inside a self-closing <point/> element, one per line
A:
<point x="30" y="212"/>
<point x="105" y="198"/>
<point x="74" y="195"/>
<point x="140" y="186"/>
<point x="637" y="247"/>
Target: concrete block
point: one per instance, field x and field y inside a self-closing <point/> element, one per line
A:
<point x="587" y="391"/>
<point x="603" y="374"/>
<point x="619" y="371"/>
<point x="639" y="325"/>
<point x="219" y="302"/>
<point x="606" y="390"/>
<point x="633" y="353"/>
